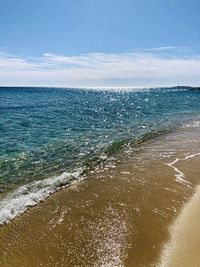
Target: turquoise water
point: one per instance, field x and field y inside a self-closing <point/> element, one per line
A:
<point x="48" y="137"/>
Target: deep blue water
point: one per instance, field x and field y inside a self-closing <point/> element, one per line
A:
<point x="45" y="132"/>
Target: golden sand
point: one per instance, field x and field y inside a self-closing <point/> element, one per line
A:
<point x="119" y="216"/>
<point x="183" y="248"/>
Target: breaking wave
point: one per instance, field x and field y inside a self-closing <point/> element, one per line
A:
<point x="18" y="201"/>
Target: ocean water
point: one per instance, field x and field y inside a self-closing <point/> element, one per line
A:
<point x="50" y="137"/>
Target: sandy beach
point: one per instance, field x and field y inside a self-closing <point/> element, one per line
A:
<point x="126" y="213"/>
<point x="99" y="133"/>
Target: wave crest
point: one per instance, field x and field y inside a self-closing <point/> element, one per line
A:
<point x="17" y="202"/>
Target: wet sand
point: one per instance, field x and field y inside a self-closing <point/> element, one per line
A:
<point x="183" y="248"/>
<point x="119" y="216"/>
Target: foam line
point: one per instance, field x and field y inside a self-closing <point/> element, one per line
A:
<point x="18" y="201"/>
<point x="192" y="156"/>
<point x="183" y="248"/>
<point x="180" y="176"/>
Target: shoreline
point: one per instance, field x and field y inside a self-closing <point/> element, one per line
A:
<point x="110" y="216"/>
<point x="16" y="202"/>
<point x="183" y="246"/>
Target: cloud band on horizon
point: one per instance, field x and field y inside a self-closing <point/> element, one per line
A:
<point x="131" y="69"/>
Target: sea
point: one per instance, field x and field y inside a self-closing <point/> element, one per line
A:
<point x="51" y="138"/>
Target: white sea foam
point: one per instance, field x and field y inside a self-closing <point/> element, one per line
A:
<point x="180" y="176"/>
<point x="192" y="156"/>
<point x="182" y="249"/>
<point x="17" y="202"/>
<point x="194" y="124"/>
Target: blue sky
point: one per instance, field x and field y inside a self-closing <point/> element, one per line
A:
<point x="99" y="43"/>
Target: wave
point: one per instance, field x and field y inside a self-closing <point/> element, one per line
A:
<point x="118" y="145"/>
<point x="18" y="201"/>
<point x="194" y="124"/>
<point x="106" y="153"/>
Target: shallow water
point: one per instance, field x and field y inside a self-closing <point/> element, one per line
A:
<point x="127" y="162"/>
<point x="50" y="137"/>
<point x="119" y="216"/>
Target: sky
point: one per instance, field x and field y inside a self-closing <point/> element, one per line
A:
<point x="99" y="43"/>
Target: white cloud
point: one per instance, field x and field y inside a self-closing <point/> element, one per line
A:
<point x="133" y="69"/>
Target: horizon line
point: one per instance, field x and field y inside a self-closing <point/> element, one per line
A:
<point x="98" y="87"/>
